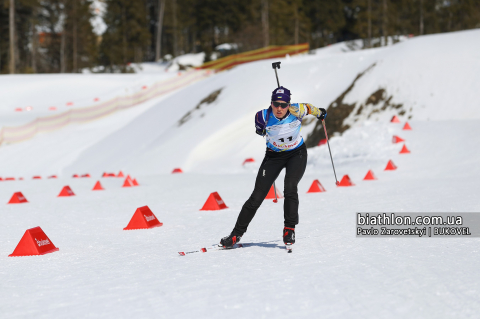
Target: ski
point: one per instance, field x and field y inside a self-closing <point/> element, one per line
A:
<point x="213" y="248"/>
<point x="289" y="248"/>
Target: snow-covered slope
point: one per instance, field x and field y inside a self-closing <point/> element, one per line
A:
<point x="207" y="130"/>
<point x="430" y="77"/>
<point x="36" y="94"/>
<point x="103" y="271"/>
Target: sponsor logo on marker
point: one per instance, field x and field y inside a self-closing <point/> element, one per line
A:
<point x="41" y="243"/>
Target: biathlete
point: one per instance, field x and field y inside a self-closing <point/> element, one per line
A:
<point x="281" y="124"/>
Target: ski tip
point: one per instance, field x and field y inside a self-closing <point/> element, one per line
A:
<point x="203" y="250"/>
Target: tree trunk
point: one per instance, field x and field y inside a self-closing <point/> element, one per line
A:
<point x="175" y="40"/>
<point x="74" y="35"/>
<point x="421" y="17"/>
<point x="124" y="38"/>
<point x="369" y="15"/>
<point x="385" y="23"/>
<point x="265" y="24"/>
<point x="158" y="47"/>
<point x="12" y="36"/>
<point x="34" y="47"/>
<point x="62" y="49"/>
<point x="296" y="24"/>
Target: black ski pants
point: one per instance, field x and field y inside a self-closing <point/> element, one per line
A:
<point x="294" y="162"/>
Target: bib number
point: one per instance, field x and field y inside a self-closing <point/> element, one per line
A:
<point x="290" y="138"/>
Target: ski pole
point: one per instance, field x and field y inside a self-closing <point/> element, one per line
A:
<point x="275" y="191"/>
<point x="275" y="65"/>
<point x="331" y="158"/>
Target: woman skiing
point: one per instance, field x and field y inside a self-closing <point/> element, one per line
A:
<point x="281" y="124"/>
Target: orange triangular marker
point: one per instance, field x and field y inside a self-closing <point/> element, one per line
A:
<point x="120" y="174"/>
<point x="127" y="183"/>
<point x="346" y="181"/>
<point x="396" y="139"/>
<point x="66" y="191"/>
<point x="143" y="219"/>
<point x="370" y="176"/>
<point x="316" y="187"/>
<point x="177" y="170"/>
<point x="75" y="176"/>
<point x="37" y="177"/>
<point x="34" y="242"/>
<point x="395" y="119"/>
<point x="18" y="198"/>
<point x="98" y="187"/>
<point x="105" y="174"/>
<point x="407" y="127"/>
<point x="271" y="193"/>
<point x="135" y="183"/>
<point x="390" y="166"/>
<point x="214" y="202"/>
<point x="404" y="150"/>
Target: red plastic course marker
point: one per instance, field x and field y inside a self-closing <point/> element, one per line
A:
<point x="177" y="170"/>
<point x="370" y="176"/>
<point x="33" y="243"/>
<point x="316" y="187"/>
<point x="395" y="119"/>
<point x="10" y="178"/>
<point x="135" y="183"/>
<point x="396" y="139"/>
<point x="52" y="108"/>
<point x="143" y="219"/>
<point x="96" y="99"/>
<point x="69" y="103"/>
<point x="144" y="87"/>
<point x="271" y="193"/>
<point x="66" y="191"/>
<point x="18" y="109"/>
<point x="322" y="142"/>
<point x="18" y="198"/>
<point x="404" y="150"/>
<point x="120" y="174"/>
<point x="85" y="175"/>
<point x="248" y="160"/>
<point x="1" y="179"/>
<point x="390" y="166"/>
<point x="111" y="175"/>
<point x="346" y="181"/>
<point x="127" y="183"/>
<point x="98" y="187"/>
<point x="53" y="176"/>
<point x="75" y="176"/>
<point x="37" y="177"/>
<point x="214" y="202"/>
<point x="407" y="127"/>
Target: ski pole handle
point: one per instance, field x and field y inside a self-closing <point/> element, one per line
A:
<point x="275" y="66"/>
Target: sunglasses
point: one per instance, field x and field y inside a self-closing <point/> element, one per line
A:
<point x="282" y="105"/>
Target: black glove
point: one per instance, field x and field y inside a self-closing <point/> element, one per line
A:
<point x="260" y="132"/>
<point x="322" y="115"/>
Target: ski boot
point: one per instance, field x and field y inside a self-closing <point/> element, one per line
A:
<point x="230" y="241"/>
<point x="289" y="238"/>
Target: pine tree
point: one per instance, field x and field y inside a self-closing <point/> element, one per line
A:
<point x="126" y="37"/>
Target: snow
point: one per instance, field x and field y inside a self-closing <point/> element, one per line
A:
<point x="42" y="91"/>
<point x="103" y="271"/>
<point x="186" y="60"/>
